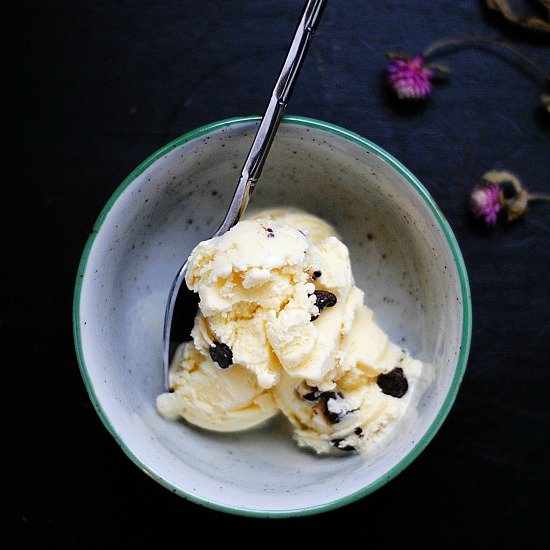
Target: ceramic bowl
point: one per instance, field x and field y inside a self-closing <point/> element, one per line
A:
<point x="403" y="254"/>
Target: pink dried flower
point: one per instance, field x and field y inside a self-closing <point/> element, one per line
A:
<point x="485" y="202"/>
<point x="500" y="190"/>
<point x="412" y="78"/>
<point x="409" y="78"/>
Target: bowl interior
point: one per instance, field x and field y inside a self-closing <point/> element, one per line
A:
<point x="401" y="258"/>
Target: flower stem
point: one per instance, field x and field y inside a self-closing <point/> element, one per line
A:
<point x="538" y="197"/>
<point x="467" y="40"/>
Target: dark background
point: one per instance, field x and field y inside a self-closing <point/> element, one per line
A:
<point x="95" y="87"/>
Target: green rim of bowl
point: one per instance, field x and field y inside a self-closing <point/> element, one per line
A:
<point x="466" y="319"/>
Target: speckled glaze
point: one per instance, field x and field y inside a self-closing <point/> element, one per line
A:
<point x="403" y="254"/>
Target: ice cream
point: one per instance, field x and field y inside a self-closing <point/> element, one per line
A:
<point x="369" y="391"/>
<point x="282" y="326"/>
<point x="211" y="398"/>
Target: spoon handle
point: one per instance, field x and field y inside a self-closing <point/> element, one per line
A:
<point x="280" y="95"/>
<point x="256" y="156"/>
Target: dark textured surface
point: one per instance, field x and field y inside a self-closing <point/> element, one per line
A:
<point x="98" y="86"/>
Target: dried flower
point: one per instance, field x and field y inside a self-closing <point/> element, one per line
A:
<point x="531" y="23"/>
<point x="501" y="191"/>
<point x="409" y="78"/>
<point x="485" y="202"/>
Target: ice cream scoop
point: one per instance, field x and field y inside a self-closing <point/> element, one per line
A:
<point x="282" y="326"/>
<point x="369" y="390"/>
<point x="271" y="298"/>
<point x="212" y="398"/>
<point x="180" y="298"/>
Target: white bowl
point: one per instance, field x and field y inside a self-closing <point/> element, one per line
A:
<point x="404" y="256"/>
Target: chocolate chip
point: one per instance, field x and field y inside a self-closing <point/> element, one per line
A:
<point x="270" y="232"/>
<point x="221" y="354"/>
<point x="323" y="299"/>
<point x="316" y="274"/>
<point x="508" y="189"/>
<point x="341" y="444"/>
<point x="332" y="416"/>
<point x="312" y="394"/>
<point x="393" y="383"/>
<point x="358" y="430"/>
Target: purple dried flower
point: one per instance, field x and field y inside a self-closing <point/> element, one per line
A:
<point x="485" y="202"/>
<point x="409" y="78"/>
<point x="413" y="78"/>
<point x="501" y="191"/>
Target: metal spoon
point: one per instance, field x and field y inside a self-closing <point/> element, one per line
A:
<point x="182" y="302"/>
